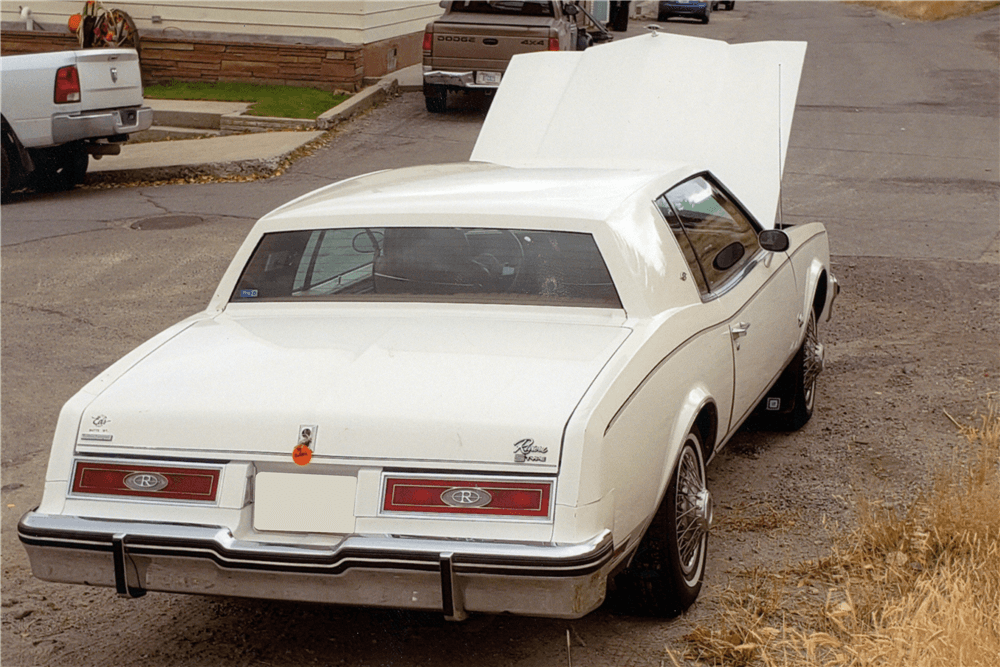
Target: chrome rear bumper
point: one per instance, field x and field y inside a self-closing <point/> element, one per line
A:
<point x="451" y="576"/>
<point x="99" y="124"/>
<point x="456" y="80"/>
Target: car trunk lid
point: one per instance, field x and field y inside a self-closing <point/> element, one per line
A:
<point x="393" y="385"/>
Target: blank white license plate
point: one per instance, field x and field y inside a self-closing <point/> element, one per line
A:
<point x="485" y="78"/>
<point x="300" y="503"/>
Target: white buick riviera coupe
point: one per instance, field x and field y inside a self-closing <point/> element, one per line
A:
<point x="479" y="387"/>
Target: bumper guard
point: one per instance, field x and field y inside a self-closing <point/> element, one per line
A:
<point x="452" y="576"/>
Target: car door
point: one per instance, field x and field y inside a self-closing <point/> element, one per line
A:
<point x="752" y="290"/>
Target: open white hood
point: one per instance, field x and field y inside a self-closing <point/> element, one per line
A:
<point x="653" y="100"/>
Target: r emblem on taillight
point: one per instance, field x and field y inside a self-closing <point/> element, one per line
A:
<point x="146" y="481"/>
<point x="466" y="497"/>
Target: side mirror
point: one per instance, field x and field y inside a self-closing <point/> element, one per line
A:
<point x="570" y="10"/>
<point x="443" y="4"/>
<point x="774" y="240"/>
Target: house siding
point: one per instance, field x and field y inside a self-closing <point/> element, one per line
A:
<point x="333" y="45"/>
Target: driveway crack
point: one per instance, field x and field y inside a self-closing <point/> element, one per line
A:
<point x="50" y="311"/>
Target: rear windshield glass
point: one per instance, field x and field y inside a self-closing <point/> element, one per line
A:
<point x="429" y="264"/>
<point x="503" y="7"/>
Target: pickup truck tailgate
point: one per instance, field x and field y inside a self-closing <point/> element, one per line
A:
<point x="486" y="46"/>
<point x="109" y="78"/>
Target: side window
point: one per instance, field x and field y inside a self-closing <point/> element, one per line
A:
<point x="682" y="240"/>
<point x="720" y="236"/>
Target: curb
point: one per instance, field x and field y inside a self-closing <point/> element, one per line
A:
<point x="234" y="123"/>
<point x="276" y="150"/>
<point x="362" y="101"/>
<point x="256" y="167"/>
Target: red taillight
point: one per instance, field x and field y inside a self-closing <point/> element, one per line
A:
<point x="67" y="85"/>
<point x="168" y="483"/>
<point x="553" y="43"/>
<point x="428" y="40"/>
<point x="468" y="496"/>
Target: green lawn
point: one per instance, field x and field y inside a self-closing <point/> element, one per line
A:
<point x="279" y="101"/>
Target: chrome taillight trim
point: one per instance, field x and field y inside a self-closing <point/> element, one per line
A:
<point x="158" y="465"/>
<point x="460" y="480"/>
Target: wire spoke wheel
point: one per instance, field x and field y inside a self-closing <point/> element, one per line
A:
<point x="812" y="361"/>
<point x="794" y="394"/>
<point x="693" y="512"/>
<point x="666" y="572"/>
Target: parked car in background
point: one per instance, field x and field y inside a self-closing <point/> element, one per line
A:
<point x="60" y="108"/>
<point x="468" y="48"/>
<point x="479" y="387"/>
<point x="690" y="9"/>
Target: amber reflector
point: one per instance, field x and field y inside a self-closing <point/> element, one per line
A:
<point x="146" y="481"/>
<point x="465" y="496"/>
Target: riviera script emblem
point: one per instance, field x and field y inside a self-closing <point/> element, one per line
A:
<point x="526" y="451"/>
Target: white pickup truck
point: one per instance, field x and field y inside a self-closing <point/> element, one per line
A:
<point x="60" y="108"/>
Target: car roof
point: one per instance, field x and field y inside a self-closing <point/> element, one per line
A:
<point x="430" y="195"/>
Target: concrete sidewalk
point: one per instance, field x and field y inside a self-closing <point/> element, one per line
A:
<point x="256" y="153"/>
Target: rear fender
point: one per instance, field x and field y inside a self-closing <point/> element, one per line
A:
<point x="698" y="398"/>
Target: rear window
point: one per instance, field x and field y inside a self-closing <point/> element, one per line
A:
<point x="510" y="266"/>
<point x="504" y="7"/>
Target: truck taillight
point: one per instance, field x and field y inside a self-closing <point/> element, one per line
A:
<point x="428" y="40"/>
<point x="67" y="85"/>
<point x="553" y="43"/>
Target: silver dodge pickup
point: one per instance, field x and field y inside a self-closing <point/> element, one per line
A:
<point x="469" y="47"/>
<point x="60" y="108"/>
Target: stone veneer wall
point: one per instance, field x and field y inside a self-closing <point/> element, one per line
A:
<point x="165" y="59"/>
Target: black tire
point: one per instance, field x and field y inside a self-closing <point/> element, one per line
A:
<point x="662" y="16"/>
<point x="61" y="169"/>
<point x="730" y="5"/>
<point x="668" y="568"/>
<point x="5" y="175"/>
<point x="708" y="13"/>
<point x="790" y="403"/>
<point x="436" y="98"/>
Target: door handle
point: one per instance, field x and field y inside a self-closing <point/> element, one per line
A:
<point x="738" y="330"/>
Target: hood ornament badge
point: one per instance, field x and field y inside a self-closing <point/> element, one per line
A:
<point x="302" y="454"/>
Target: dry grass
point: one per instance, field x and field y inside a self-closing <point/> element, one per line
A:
<point x="757" y="517"/>
<point x="924" y="10"/>
<point x="913" y="588"/>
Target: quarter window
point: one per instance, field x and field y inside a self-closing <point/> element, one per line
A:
<point x="715" y="236"/>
